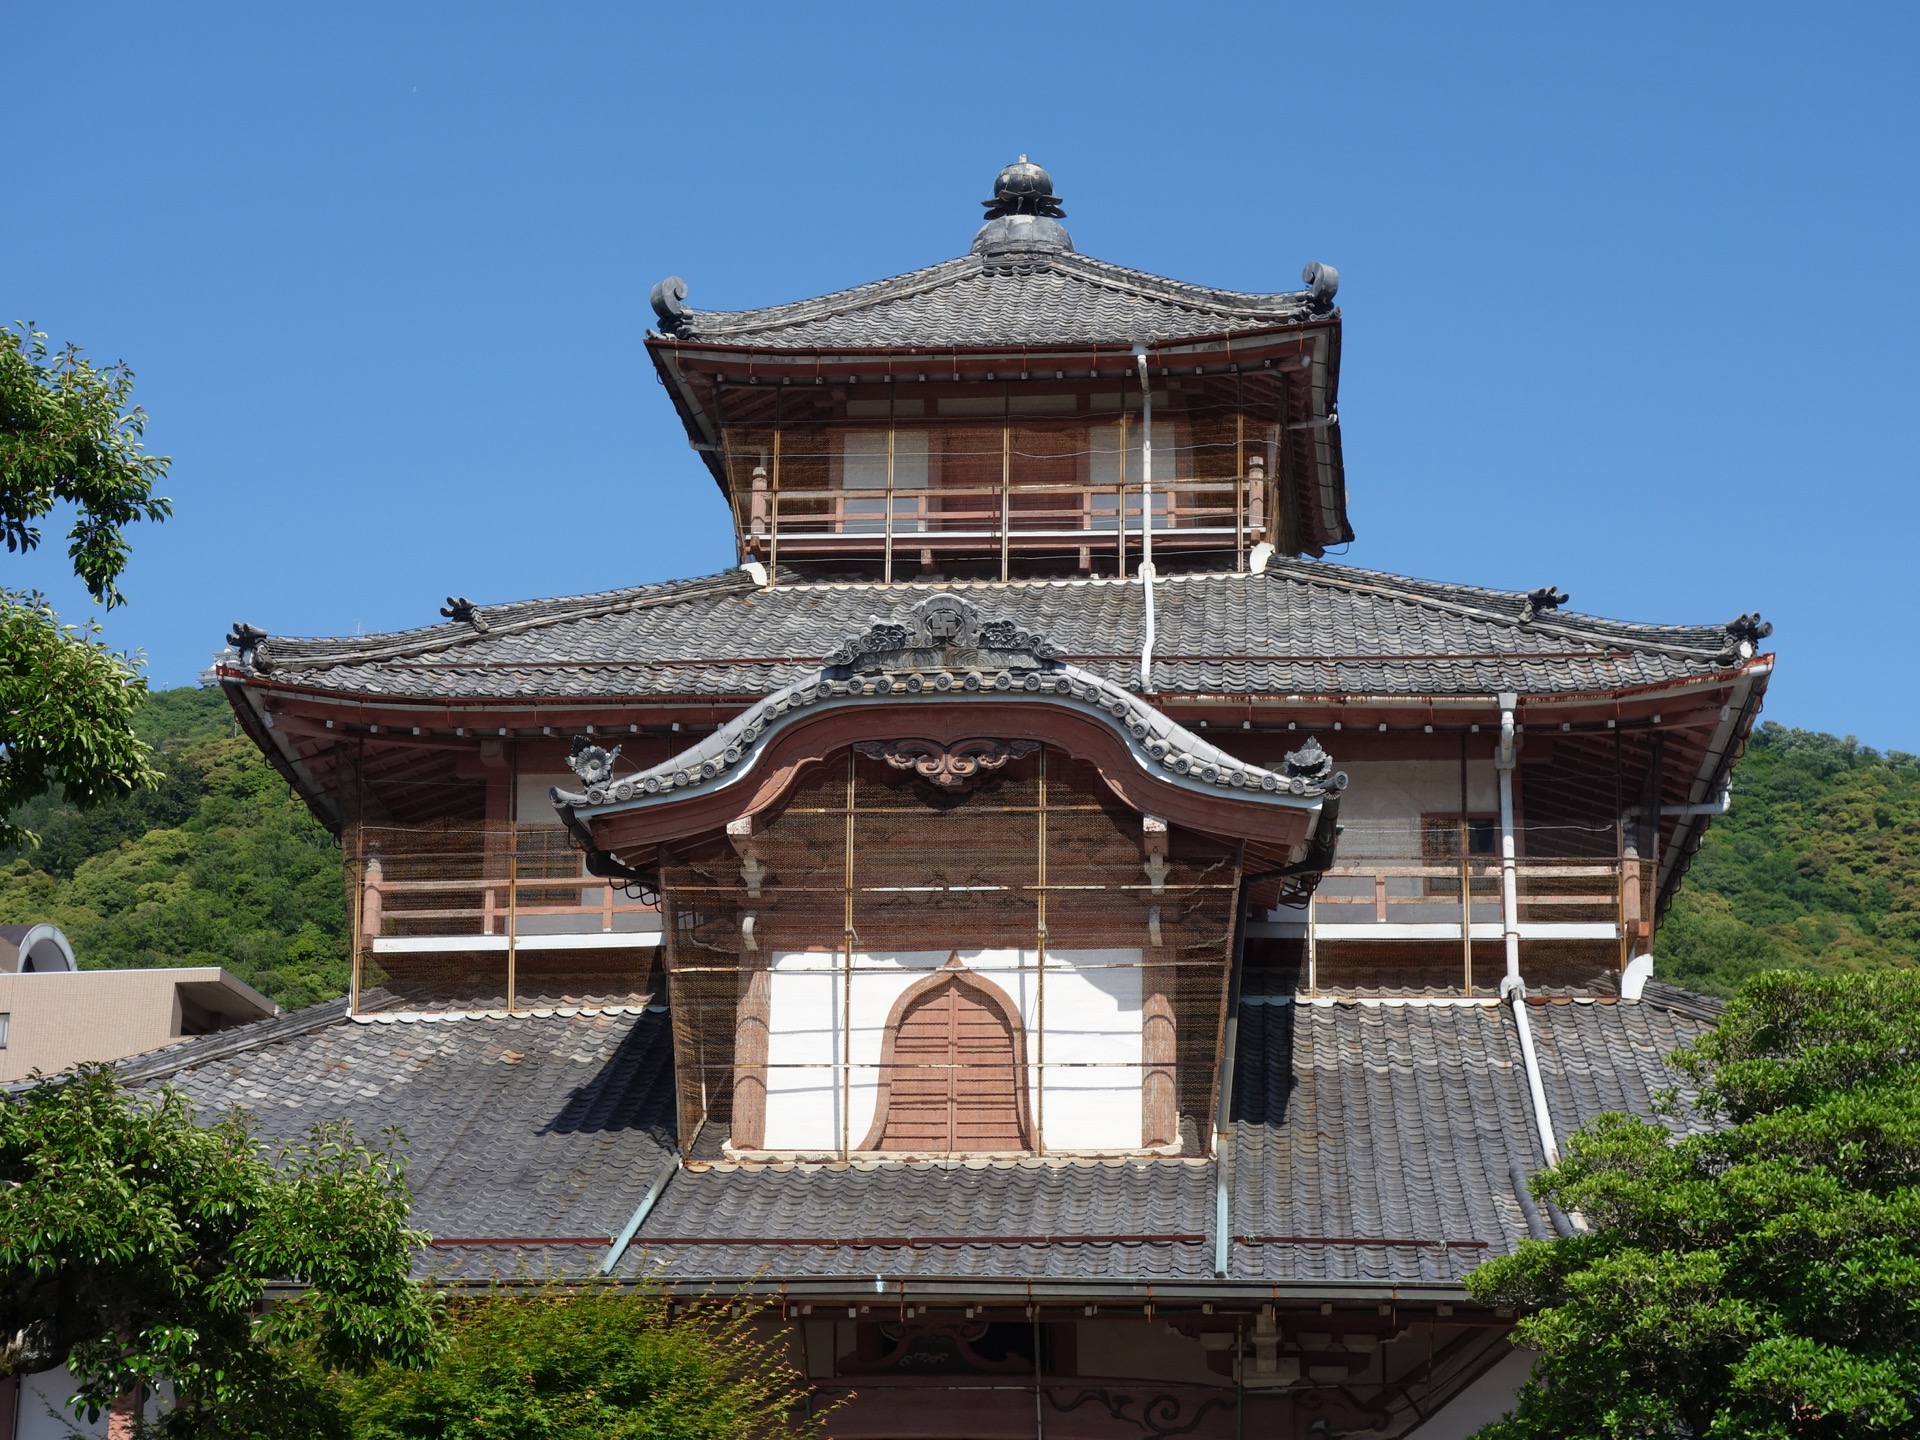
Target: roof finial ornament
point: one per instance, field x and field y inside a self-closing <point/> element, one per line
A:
<point x="1024" y="213"/>
<point x="1023" y="188"/>
<point x="669" y="300"/>
<point x="1547" y="598"/>
<point x="1744" y="634"/>
<point x="1324" y="281"/>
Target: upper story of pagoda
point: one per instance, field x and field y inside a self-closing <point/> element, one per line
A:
<point x="1022" y="410"/>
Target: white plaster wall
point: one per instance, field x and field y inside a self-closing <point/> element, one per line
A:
<point x="1386" y="798"/>
<point x="1083" y="1058"/>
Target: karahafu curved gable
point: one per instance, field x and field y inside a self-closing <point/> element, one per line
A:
<point x="942" y="649"/>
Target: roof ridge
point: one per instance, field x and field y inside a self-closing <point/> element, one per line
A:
<point x="1182" y="293"/>
<point x="184" y="1055"/>
<point x="853" y="297"/>
<point x="403" y="643"/>
<point x="1279" y="305"/>
<point x="1407" y="587"/>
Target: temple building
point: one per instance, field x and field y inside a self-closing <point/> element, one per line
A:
<point x="1094" y="965"/>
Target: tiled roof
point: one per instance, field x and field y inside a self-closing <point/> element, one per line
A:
<point x="1353" y="1123"/>
<point x="1033" y="298"/>
<point x="1302" y="627"/>
<point x="535" y="1127"/>
<point x="1596" y="1058"/>
<point x="966" y="1204"/>
<point x="966" y="658"/>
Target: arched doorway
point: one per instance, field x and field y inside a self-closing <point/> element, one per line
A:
<point x="953" y="1069"/>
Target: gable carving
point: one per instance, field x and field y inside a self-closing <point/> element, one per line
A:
<point x="952" y="767"/>
<point x="940" y="632"/>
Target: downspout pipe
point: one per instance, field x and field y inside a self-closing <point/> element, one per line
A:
<point x="1504" y="759"/>
<point x="640" y="1213"/>
<point x="1223" y="1110"/>
<point x="1147" y="574"/>
<point x="1513" y="988"/>
<point x="1516" y="995"/>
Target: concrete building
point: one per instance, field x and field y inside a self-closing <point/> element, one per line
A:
<point x="54" y="1015"/>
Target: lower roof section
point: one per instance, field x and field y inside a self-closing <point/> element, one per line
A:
<point x="1299" y="628"/>
<point x="1373" y="1146"/>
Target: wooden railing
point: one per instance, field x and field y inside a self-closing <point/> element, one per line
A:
<point x="1221" y="513"/>
<point x="489" y="905"/>
<point x="1396" y="892"/>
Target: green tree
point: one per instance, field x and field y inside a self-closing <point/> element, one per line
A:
<point x="68" y="437"/>
<point x="1761" y="1279"/>
<point x="593" y="1364"/>
<point x="137" y="1245"/>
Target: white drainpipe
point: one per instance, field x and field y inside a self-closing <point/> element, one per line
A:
<point x="1516" y="993"/>
<point x="1147" y="575"/>
<point x="1503" y="761"/>
<point x="1513" y="987"/>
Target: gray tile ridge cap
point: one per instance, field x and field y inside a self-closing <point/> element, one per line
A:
<point x="717" y="324"/>
<point x="1691" y="641"/>
<point x="1281" y="305"/>
<point x="509" y="618"/>
<point x="201" y="1049"/>
<point x="1187" y="295"/>
<point x="1015" y="582"/>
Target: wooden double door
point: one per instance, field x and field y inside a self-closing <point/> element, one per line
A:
<point x="953" y="1070"/>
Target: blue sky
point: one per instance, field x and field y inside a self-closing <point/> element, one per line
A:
<point x="1630" y="292"/>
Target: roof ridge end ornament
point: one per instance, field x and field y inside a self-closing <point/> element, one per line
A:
<point x="1540" y="602"/>
<point x="669" y="301"/>
<point x="463" y="611"/>
<point x="592" y="763"/>
<point x="1324" y="281"/>
<point x="1744" y="634"/>
<point x="249" y="641"/>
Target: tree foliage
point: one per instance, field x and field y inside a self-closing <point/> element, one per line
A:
<point x="136" y="1246"/>
<point x="66" y="714"/>
<point x="596" y="1364"/>
<point x="1761" y="1279"/>
<point x="68" y="437"/>
<point x="1816" y="866"/>
<point x="218" y="864"/>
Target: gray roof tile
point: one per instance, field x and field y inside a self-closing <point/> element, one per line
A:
<point x="1059" y="298"/>
<point x="1303" y="627"/>
<point x="1351" y="1122"/>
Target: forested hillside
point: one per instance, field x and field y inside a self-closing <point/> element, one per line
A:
<point x="218" y="866"/>
<point x="1817" y="866"/>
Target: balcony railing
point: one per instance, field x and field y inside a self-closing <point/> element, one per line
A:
<point x="1409" y="899"/>
<point x="1007" y="519"/>
<point x="1406" y="921"/>
<point x="496" y="916"/>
